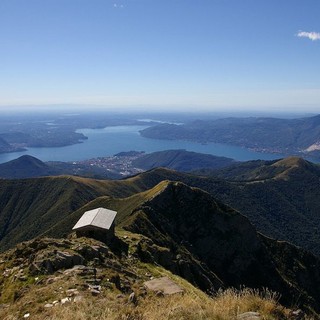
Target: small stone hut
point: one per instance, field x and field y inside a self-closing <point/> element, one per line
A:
<point x="97" y="223"/>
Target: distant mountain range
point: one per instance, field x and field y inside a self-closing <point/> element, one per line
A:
<point x="27" y="166"/>
<point x="182" y="160"/>
<point x="286" y="136"/>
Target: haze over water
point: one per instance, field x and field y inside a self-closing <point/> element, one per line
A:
<point x="112" y="140"/>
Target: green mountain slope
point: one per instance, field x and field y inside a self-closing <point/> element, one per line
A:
<point x="260" y="170"/>
<point x="193" y="235"/>
<point x="279" y="198"/>
<point x="29" y="207"/>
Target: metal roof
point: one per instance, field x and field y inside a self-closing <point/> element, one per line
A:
<point x="100" y="217"/>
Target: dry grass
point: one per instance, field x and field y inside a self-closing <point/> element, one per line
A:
<point x="225" y="305"/>
<point x="238" y="301"/>
<point x="18" y="298"/>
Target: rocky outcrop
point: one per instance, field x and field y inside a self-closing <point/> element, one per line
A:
<point x="46" y="256"/>
<point x="50" y="262"/>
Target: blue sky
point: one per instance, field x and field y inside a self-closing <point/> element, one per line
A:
<point x="170" y="54"/>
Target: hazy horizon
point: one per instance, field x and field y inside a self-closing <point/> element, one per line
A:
<point x="195" y="112"/>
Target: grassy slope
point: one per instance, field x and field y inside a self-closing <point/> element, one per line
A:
<point x="30" y="295"/>
<point x="28" y="207"/>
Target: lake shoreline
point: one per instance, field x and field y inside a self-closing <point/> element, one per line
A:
<point x="111" y="140"/>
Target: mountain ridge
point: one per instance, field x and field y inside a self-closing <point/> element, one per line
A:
<point x="190" y="233"/>
<point x="284" y="209"/>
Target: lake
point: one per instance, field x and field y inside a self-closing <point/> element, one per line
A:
<point x="112" y="140"/>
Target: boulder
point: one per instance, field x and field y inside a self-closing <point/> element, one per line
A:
<point x="65" y="300"/>
<point x="53" y="261"/>
<point x="163" y="284"/>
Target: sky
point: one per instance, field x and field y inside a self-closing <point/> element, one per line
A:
<point x="161" y="54"/>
